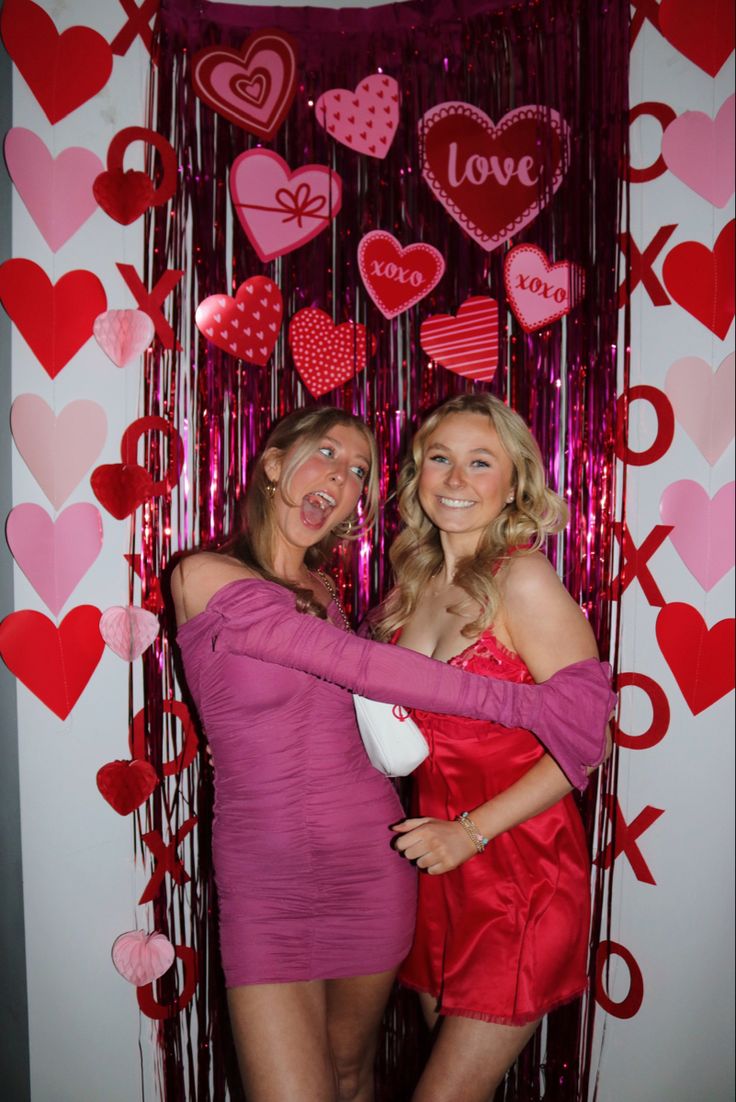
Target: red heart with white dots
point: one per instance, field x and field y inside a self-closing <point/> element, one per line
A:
<point x="326" y="355"/>
<point x="246" y="326"/>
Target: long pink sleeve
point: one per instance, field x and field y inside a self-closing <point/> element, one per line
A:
<point x="568" y="713"/>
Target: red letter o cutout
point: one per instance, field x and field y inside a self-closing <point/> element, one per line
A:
<point x="137" y="738"/>
<point x="665" y="425"/>
<point x="664" y="115"/>
<point x="659" y="726"/>
<point x="629" y="1006"/>
<point x="147" y="1002"/>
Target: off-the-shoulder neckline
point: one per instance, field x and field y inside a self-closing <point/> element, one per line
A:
<point x="214" y="599"/>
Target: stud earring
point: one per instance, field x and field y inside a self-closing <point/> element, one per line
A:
<point x="270" y="488"/>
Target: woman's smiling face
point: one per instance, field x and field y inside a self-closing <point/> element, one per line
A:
<point x="467" y="476"/>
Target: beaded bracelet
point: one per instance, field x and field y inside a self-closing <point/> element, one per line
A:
<point x="472" y="831"/>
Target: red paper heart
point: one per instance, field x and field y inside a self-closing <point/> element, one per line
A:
<point x="701" y="659"/>
<point x="396" y="278"/>
<point x="326" y="355"/>
<point x="466" y="344"/>
<point x="252" y="87"/>
<point x="55" y="320"/>
<point x="126" y="784"/>
<point x="246" y="326"/>
<point x="121" y="487"/>
<point x="703" y="32"/>
<point x="62" y="70"/>
<point x="702" y="281"/>
<point x="54" y="663"/>
<point x="493" y="178"/>
<point x="124" y="195"/>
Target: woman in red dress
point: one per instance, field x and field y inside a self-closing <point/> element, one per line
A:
<point x="502" y="926"/>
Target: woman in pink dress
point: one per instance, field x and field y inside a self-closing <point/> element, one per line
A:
<point x="316" y="909"/>
<point x="502" y="923"/>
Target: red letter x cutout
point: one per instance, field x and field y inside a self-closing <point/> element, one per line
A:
<point x="643" y="10"/>
<point x="166" y="859"/>
<point x="640" y="266"/>
<point x="149" y="301"/>
<point x="624" y="838"/>
<point x="635" y="561"/>
<point x="138" y="23"/>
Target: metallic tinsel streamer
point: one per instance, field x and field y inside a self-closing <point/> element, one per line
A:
<point x="567" y="54"/>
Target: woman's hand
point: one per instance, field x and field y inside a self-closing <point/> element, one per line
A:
<point x="433" y="845"/>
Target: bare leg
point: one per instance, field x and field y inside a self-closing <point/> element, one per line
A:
<point x="280" y="1032"/>
<point x="354" y="1010"/>
<point x="470" y="1059"/>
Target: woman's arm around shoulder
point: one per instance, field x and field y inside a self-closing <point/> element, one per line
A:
<point x="197" y="578"/>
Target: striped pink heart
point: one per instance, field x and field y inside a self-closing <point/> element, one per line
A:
<point x="468" y="343"/>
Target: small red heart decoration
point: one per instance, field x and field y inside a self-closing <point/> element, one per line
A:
<point x="397" y="278"/>
<point x="62" y="70"/>
<point x="326" y="355"/>
<point x="124" y="194"/>
<point x="466" y="344"/>
<point x="126" y="784"/>
<point x="701" y="659"/>
<point x="701" y="280"/>
<point x="246" y="326"/>
<point x="55" y="663"/>
<point x="54" y="319"/>
<point x="121" y="487"/>
<point x="703" y="32"/>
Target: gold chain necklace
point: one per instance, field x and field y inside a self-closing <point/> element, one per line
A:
<point x="329" y="585"/>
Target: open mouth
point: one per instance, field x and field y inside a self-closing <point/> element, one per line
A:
<point x="455" y="503"/>
<point x="317" y="508"/>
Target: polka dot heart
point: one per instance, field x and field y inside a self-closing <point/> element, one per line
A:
<point x="326" y="355"/>
<point x="246" y="326"/>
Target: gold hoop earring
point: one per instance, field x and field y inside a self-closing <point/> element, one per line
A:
<point x="343" y="530"/>
<point x="270" y="488"/>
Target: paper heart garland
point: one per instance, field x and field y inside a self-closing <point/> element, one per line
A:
<point x="141" y="957"/>
<point x="123" y="334"/>
<point x="54" y="554"/>
<point x="703" y="402"/>
<point x="126" y="784"/>
<point x="539" y="292"/>
<point x="280" y="209"/>
<point x="395" y="277"/>
<point x="246" y="326"/>
<point x="252" y="87"/>
<point x="57" y="191"/>
<point x="54" y="319"/>
<point x="701" y="659"/>
<point x="326" y="355"/>
<point x="62" y="70"/>
<point x="493" y="178"/>
<point x="466" y="344"/>
<point x="128" y="631"/>
<point x="703" y="530"/>
<point x="701" y="152"/>
<point x="58" y="450"/>
<point x="701" y="280"/>
<point x="54" y="663"/>
<point x="365" y="120"/>
<point x="702" y="32"/>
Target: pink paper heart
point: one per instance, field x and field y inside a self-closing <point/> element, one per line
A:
<point x="539" y="292"/>
<point x="701" y="152"/>
<point x="703" y="529"/>
<point x="280" y="209"/>
<point x="58" y="450"/>
<point x="54" y="554"/>
<point x="365" y="120"/>
<point x="128" y="630"/>
<point x="703" y="402"/>
<point x="57" y="191"/>
<point x="140" y="957"/>
<point x="123" y="334"/>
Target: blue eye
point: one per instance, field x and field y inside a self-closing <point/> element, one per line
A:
<point x="438" y="459"/>
<point x="328" y="451"/>
<point x="480" y="463"/>
<point x="360" y="472"/>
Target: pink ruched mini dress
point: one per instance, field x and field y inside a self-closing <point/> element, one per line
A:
<point x="308" y="884"/>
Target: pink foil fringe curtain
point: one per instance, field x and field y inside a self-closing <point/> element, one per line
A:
<point x="566" y="54"/>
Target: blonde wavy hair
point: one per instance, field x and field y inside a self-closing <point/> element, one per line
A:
<point x="416" y="554"/>
<point x="299" y="434"/>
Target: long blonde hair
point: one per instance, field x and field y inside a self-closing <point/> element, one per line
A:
<point x="299" y="433"/>
<point x="416" y="554"/>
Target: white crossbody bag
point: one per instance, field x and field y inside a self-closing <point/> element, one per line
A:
<point x="392" y="740"/>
